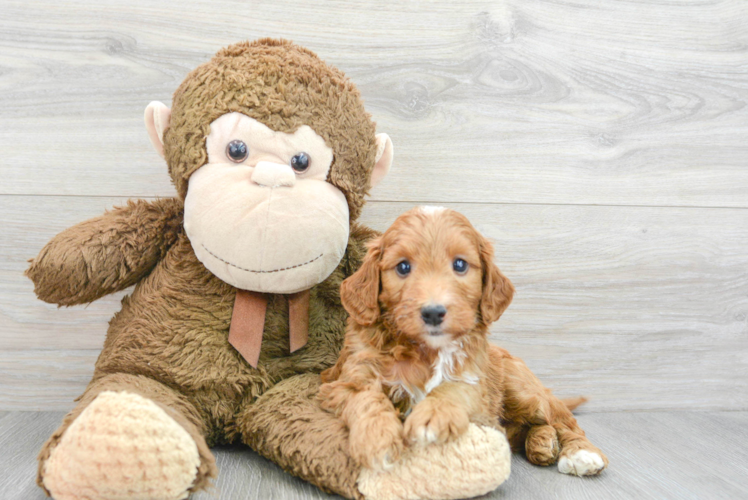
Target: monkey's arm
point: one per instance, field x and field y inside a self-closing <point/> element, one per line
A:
<point x="107" y="253"/>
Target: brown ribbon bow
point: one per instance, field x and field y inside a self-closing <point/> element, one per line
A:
<point x="248" y="322"/>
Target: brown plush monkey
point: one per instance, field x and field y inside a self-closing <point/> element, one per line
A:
<point x="236" y="306"/>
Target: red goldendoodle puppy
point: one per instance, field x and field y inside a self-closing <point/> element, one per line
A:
<point x="416" y="348"/>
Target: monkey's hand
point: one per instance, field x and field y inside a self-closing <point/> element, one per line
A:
<point x="107" y="253"/>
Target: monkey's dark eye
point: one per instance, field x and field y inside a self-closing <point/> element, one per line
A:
<point x="403" y="269"/>
<point x="237" y="151"/>
<point x="460" y="266"/>
<point x="300" y="162"/>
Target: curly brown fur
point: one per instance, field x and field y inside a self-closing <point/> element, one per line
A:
<point x="390" y="349"/>
<point x="394" y="362"/>
<point x="106" y="254"/>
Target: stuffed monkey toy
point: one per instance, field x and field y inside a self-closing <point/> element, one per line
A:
<point x="236" y="305"/>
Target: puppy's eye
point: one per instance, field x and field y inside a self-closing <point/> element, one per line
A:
<point x="237" y="151"/>
<point x="403" y="269"/>
<point x="300" y="162"/>
<point x="460" y="266"/>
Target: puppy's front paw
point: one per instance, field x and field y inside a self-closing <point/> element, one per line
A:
<point x="582" y="463"/>
<point x="376" y="442"/>
<point x="435" y="421"/>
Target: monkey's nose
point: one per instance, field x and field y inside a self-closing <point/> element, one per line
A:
<point x="269" y="174"/>
<point x="433" y="314"/>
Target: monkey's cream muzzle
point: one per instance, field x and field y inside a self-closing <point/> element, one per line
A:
<point x="265" y="239"/>
<point x="259" y="225"/>
<point x="272" y="175"/>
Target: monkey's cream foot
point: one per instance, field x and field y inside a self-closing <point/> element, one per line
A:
<point x="473" y="464"/>
<point x="582" y="463"/>
<point x="124" y="447"/>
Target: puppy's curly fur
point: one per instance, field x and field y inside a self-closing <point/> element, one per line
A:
<point x="416" y="349"/>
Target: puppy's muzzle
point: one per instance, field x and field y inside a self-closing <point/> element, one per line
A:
<point x="433" y="314"/>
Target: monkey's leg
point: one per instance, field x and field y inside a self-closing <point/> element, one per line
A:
<point x="287" y="425"/>
<point x="128" y="437"/>
<point x="549" y="429"/>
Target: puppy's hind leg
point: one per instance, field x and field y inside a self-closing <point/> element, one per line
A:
<point x="553" y="431"/>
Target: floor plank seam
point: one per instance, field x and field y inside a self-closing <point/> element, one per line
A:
<point x="414" y="202"/>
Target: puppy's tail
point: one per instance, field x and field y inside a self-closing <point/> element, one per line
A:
<point x="573" y="403"/>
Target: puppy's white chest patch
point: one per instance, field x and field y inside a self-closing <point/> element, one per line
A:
<point x="450" y="356"/>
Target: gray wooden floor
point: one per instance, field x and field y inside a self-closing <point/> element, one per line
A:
<point x="600" y="145"/>
<point x="662" y="455"/>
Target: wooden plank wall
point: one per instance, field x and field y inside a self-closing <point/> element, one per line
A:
<point x="603" y="145"/>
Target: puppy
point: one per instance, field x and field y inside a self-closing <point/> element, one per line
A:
<point x="416" y="349"/>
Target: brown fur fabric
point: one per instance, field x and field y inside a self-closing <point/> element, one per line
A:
<point x="173" y="332"/>
<point x="169" y="342"/>
<point x="106" y="254"/>
<point x="290" y="412"/>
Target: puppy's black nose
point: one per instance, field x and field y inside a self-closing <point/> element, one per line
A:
<point x="433" y="314"/>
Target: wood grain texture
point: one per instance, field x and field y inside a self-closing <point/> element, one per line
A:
<point x="44" y="379"/>
<point x="635" y="307"/>
<point x="520" y="101"/>
<point x="600" y="144"/>
<point x="653" y="455"/>
<point x="27" y="223"/>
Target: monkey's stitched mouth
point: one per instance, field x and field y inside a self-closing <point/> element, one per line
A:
<point x="260" y="271"/>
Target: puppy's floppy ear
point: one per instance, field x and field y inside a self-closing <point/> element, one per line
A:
<point x="497" y="289"/>
<point x="360" y="292"/>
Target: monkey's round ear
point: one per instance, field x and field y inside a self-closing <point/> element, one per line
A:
<point x="385" y="152"/>
<point x="157" y="117"/>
